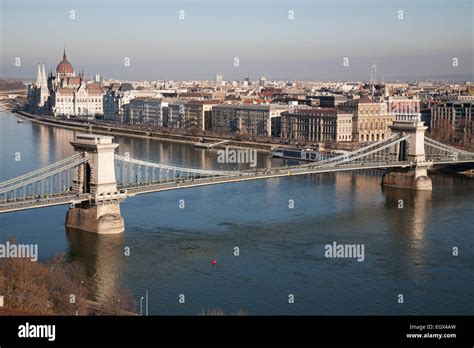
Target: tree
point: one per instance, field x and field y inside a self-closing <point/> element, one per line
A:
<point x="443" y="131"/>
<point x="58" y="287"/>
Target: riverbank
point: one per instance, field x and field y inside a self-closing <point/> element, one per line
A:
<point x="58" y="286"/>
<point x="108" y="129"/>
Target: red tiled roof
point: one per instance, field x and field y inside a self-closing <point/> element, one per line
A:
<point x="65" y="91"/>
<point x="94" y="91"/>
<point x="93" y="85"/>
<point x="204" y="102"/>
<point x="73" y="80"/>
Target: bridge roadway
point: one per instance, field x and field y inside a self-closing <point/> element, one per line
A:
<point x="31" y="202"/>
<point x="134" y="189"/>
<point x="125" y="191"/>
<point x="69" y="197"/>
<point x="137" y="189"/>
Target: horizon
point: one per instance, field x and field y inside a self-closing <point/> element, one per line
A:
<point x="457" y="79"/>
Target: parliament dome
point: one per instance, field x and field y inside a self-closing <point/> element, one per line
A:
<point x="64" y="68"/>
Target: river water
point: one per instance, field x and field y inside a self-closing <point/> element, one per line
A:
<point x="408" y="251"/>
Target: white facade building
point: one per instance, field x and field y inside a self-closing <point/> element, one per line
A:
<point x="118" y="97"/>
<point x="65" y="94"/>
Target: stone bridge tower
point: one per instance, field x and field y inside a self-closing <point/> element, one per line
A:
<point x="411" y="150"/>
<point x="101" y="214"/>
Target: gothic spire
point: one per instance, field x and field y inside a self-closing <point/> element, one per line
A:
<point x="43" y="73"/>
<point x="44" y="82"/>
<point x="64" y="54"/>
<point x="38" y="75"/>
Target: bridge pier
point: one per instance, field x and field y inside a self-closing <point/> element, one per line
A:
<point x="412" y="150"/>
<point x="96" y="177"/>
<point x="410" y="178"/>
<point x="101" y="219"/>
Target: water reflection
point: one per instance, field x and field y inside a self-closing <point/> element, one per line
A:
<point x="408" y="213"/>
<point x="102" y="256"/>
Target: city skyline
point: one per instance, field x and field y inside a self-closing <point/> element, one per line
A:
<point x="281" y="40"/>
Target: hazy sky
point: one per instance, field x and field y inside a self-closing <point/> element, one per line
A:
<point x="260" y="33"/>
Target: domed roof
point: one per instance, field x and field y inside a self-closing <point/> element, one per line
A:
<point x="64" y="67"/>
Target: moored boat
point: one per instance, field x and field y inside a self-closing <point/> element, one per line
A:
<point x="302" y="154"/>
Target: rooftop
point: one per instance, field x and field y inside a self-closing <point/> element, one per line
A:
<point x="254" y="106"/>
<point x="315" y="112"/>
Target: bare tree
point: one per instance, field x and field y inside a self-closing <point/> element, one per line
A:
<point x="57" y="287"/>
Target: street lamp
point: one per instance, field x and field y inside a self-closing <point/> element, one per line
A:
<point x="141" y="299"/>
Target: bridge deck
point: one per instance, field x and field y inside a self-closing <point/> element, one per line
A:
<point x="265" y="174"/>
<point x="34" y="202"/>
<point x="359" y="159"/>
<point x="136" y="189"/>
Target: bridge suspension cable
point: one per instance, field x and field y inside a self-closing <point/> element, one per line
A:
<point x="174" y="168"/>
<point x="359" y="153"/>
<point x="349" y="157"/>
<point x="443" y="147"/>
<point x="63" y="168"/>
<point x="41" y="170"/>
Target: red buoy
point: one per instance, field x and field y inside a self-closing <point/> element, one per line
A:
<point x="214" y="262"/>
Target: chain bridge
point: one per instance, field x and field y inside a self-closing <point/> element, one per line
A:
<point x="95" y="180"/>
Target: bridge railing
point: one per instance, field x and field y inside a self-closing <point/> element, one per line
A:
<point x="41" y="171"/>
<point x="431" y="143"/>
<point x="131" y="170"/>
<point x="407" y="117"/>
<point x="57" y="180"/>
<point x="35" y="202"/>
<point x="374" y="152"/>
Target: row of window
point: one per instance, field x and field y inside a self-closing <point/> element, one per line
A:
<point x="461" y="113"/>
<point x="367" y="126"/>
<point x="92" y="105"/>
<point x="370" y="112"/>
<point x="372" y="137"/>
<point x="80" y="100"/>
<point x="345" y="129"/>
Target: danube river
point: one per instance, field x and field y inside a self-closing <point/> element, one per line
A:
<point x="281" y="250"/>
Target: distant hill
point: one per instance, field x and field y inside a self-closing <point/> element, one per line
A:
<point x="11" y="85"/>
